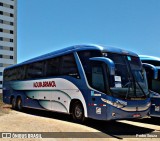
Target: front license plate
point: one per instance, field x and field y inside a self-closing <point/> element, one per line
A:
<point x="136" y="115"/>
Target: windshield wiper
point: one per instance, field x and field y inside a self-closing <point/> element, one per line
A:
<point x="131" y="74"/>
<point x="129" y="85"/>
<point x="141" y="88"/>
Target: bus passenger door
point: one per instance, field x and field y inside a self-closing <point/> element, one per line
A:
<point x="98" y="83"/>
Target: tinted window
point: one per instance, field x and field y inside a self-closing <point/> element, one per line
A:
<point x="11" y="74"/>
<point x="20" y="73"/>
<point x="153" y="62"/>
<point x="155" y="86"/>
<point x="69" y="66"/>
<point x="84" y="57"/>
<point x="14" y="74"/>
<point x="135" y="62"/>
<point x="64" y="65"/>
<point x="6" y="75"/>
<point x="121" y="69"/>
<point x="35" y="70"/>
<point x="98" y="78"/>
<point x="52" y="67"/>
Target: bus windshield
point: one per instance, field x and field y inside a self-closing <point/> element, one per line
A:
<point x="130" y="79"/>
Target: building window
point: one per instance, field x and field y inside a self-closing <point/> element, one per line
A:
<point x="11" y="48"/>
<point x="1" y="73"/>
<point x="1" y="47"/>
<point x="1" y="65"/>
<point x="1" y="4"/>
<point x="11" y="40"/>
<point x="11" y="6"/>
<point x="11" y="31"/>
<point x="11" y="57"/>
<point x="1" y="13"/>
<point x="0" y="82"/>
<point x="11" y="15"/>
<point x="1" y="38"/>
<point x="11" y="23"/>
<point x="1" y="21"/>
<point x="1" y="30"/>
<point x="1" y="56"/>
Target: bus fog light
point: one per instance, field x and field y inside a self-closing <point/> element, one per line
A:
<point x="113" y="114"/>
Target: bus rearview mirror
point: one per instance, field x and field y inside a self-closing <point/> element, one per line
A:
<point x="107" y="61"/>
<point x="151" y="68"/>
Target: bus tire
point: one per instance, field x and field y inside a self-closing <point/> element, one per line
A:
<point x="19" y="104"/>
<point x="13" y="102"/>
<point x="78" y="112"/>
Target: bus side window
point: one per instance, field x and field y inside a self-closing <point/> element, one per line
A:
<point x="52" y="67"/>
<point x="69" y="66"/>
<point x="6" y="75"/>
<point x="10" y="74"/>
<point x="20" y="73"/>
<point x="35" y="70"/>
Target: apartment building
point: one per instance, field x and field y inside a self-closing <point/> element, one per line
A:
<point x="8" y="35"/>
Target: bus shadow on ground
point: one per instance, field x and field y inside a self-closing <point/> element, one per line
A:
<point x="153" y="120"/>
<point x="109" y="128"/>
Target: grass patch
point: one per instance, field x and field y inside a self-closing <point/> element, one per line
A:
<point x="4" y="109"/>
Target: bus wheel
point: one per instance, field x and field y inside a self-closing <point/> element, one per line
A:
<point x="78" y="112"/>
<point x="13" y="102"/>
<point x="19" y="104"/>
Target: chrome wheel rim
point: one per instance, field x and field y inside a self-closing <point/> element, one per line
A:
<point x="78" y="112"/>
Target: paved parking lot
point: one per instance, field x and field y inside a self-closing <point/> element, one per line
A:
<point x="55" y="126"/>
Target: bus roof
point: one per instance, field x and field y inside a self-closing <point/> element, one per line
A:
<point x="73" y="49"/>
<point x="151" y="60"/>
<point x="146" y="57"/>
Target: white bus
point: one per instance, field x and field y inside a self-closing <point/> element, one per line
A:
<point x="86" y="81"/>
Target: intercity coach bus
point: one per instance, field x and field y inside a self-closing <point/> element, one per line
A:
<point x="86" y="81"/>
<point x="152" y="66"/>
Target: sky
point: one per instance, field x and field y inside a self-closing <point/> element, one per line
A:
<point x="49" y="25"/>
